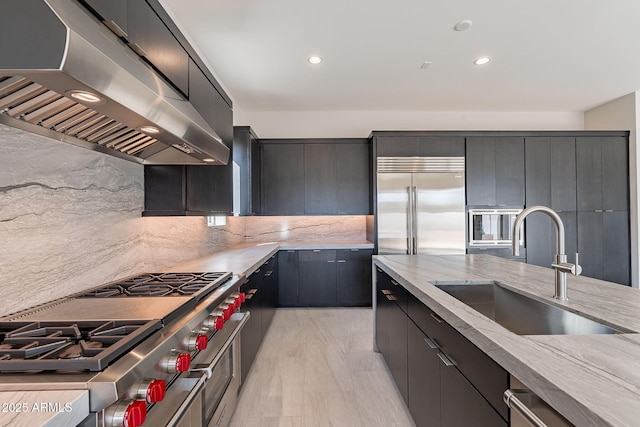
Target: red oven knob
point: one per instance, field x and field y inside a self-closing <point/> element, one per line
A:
<point x="231" y="301"/>
<point x="219" y="323"/>
<point x="196" y="342"/>
<point x="227" y="313"/>
<point x="242" y="297"/>
<point x="148" y="389"/>
<point x="176" y="363"/>
<point x="126" y="413"/>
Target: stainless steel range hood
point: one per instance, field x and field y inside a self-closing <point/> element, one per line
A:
<point x="53" y="51"/>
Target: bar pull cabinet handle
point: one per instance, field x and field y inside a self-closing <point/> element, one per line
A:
<point x="510" y="397"/>
<point x="431" y="343"/>
<point x="342" y="260"/>
<point x="394" y="282"/>
<point x="436" y="318"/>
<point x="446" y="359"/>
<point x="409" y="221"/>
<point x="414" y="209"/>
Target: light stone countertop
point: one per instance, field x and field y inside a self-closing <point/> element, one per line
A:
<point x="51" y="408"/>
<point x="592" y="380"/>
<point x="247" y="257"/>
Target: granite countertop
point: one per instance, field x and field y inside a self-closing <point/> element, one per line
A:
<point x="592" y="380"/>
<point x="247" y="257"/>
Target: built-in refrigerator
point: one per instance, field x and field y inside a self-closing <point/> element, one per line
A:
<point x="421" y="205"/>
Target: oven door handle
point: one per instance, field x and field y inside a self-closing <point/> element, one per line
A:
<point x="209" y="369"/>
<point x="193" y="394"/>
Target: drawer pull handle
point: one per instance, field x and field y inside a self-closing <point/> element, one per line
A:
<point x="510" y="397"/>
<point x="431" y="343"/>
<point x="395" y="283"/>
<point x="268" y="273"/>
<point x="446" y="359"/>
<point x="316" y="250"/>
<point x="257" y="271"/>
<point x="391" y="298"/>
<point x="342" y="261"/>
<point x="436" y="318"/>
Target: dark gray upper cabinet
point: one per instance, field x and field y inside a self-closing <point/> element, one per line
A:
<point x="320" y="179"/>
<point x="316" y="177"/>
<point x="551" y="172"/>
<point x="210" y="104"/>
<point x="151" y="39"/>
<point x="495" y="171"/>
<point x="246" y="154"/>
<point x="408" y="144"/>
<point x="188" y="190"/>
<point x="282" y="179"/>
<point x="113" y="12"/>
<point x="602" y="173"/>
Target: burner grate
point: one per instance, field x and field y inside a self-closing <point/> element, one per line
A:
<point x="83" y="345"/>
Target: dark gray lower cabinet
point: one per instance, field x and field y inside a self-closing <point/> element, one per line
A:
<point x="324" y="278"/>
<point x="261" y="299"/>
<point x="317" y="278"/>
<point x="445" y="379"/>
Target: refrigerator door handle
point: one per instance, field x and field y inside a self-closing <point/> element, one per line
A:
<point x="414" y="226"/>
<point x="409" y="221"/>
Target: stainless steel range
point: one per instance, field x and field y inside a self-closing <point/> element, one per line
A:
<point x="158" y="348"/>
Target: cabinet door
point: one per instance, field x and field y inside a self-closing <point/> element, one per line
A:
<point x="615" y="174"/>
<point x="353" y="168"/>
<point x="269" y="271"/>
<point x="397" y="146"/>
<point x="541" y="240"/>
<point x="212" y="107"/>
<point x="159" y="46"/>
<point x="288" y="278"/>
<point x="113" y="12"/>
<point x="615" y="241"/>
<point x="462" y="405"/>
<point x="590" y="243"/>
<point x="164" y="189"/>
<point x="383" y="331"/>
<point x="480" y="164"/>
<point x="589" y="173"/>
<point x="210" y="189"/>
<point x="247" y="341"/>
<point x="397" y="360"/>
<point x="538" y="171"/>
<point x="441" y="146"/>
<point x="563" y="173"/>
<point x="509" y="171"/>
<point x="317" y="278"/>
<point x="320" y="179"/>
<point x="282" y="179"/>
<point x="354" y="277"/>
<point x="423" y="379"/>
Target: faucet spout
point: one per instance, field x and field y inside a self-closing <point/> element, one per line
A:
<point x="560" y="264"/>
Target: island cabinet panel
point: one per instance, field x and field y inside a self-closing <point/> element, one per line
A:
<point x="393" y="325"/>
<point x="448" y="380"/>
<point x="495" y="171"/>
<point x="269" y="285"/>
<point x="251" y="334"/>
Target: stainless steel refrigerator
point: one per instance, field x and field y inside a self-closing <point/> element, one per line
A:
<point x="421" y="205"/>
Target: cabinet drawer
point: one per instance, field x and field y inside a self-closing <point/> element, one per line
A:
<point x="354" y="254"/>
<point x="318" y="255"/>
<point x="485" y="374"/>
<point x="392" y="290"/>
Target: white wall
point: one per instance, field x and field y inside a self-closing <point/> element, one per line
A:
<point x="623" y="114"/>
<point x="359" y="124"/>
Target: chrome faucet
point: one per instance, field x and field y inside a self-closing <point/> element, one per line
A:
<point x="560" y="264"/>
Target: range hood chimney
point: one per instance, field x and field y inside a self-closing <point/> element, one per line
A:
<point x="64" y="75"/>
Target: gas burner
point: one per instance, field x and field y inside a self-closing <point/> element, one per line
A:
<point x="161" y="285"/>
<point x="83" y="345"/>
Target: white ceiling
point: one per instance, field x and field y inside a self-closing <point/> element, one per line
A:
<point x="547" y="55"/>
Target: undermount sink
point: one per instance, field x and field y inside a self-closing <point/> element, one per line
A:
<point x="520" y="314"/>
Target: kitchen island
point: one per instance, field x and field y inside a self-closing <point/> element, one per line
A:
<point x="589" y="379"/>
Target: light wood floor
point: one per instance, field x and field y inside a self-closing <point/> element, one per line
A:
<point x="316" y="367"/>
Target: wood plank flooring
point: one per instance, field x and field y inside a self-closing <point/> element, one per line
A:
<point x="316" y="367"/>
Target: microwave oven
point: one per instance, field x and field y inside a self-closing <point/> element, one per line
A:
<point x="492" y="227"/>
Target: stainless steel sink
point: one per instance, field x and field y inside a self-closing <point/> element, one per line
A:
<point x="523" y="315"/>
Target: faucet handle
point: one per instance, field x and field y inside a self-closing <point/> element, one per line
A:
<point x="577" y="270"/>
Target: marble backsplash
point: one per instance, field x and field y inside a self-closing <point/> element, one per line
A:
<point x="70" y="219"/>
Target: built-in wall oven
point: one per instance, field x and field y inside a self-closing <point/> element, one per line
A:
<point x="492" y="227"/>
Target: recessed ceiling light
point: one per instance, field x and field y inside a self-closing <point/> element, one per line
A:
<point x="84" y="96"/>
<point x="482" y="60"/>
<point x="149" y="129"/>
<point x="315" y="60"/>
<point x="209" y="160"/>
<point x="463" y="25"/>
